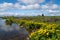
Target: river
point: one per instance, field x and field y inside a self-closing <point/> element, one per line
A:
<point x="12" y="32"/>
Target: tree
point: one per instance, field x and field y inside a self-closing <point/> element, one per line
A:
<point x="42" y="14"/>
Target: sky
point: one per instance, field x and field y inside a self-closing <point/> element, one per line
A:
<point x="29" y="7"/>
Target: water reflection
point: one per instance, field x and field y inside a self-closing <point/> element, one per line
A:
<point x="7" y="32"/>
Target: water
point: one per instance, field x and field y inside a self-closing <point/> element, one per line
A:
<point x="8" y="32"/>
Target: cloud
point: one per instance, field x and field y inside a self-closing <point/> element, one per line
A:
<point x="52" y="6"/>
<point x="35" y="6"/>
<point x="5" y="6"/>
<point x="8" y="14"/>
<point x="31" y="1"/>
<point x="51" y="9"/>
<point x="19" y="14"/>
<point x="46" y="8"/>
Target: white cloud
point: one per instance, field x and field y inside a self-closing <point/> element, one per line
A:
<point x="51" y="9"/>
<point x="31" y="1"/>
<point x="19" y="14"/>
<point x="35" y="6"/>
<point x="52" y="6"/>
<point x="8" y="14"/>
<point x="47" y="8"/>
<point x="6" y="6"/>
<point x="17" y="5"/>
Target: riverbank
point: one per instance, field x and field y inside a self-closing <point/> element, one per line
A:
<point x="39" y="27"/>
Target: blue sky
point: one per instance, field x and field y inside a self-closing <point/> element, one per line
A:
<point x="29" y="8"/>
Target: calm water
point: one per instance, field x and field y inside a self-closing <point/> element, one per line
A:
<point x="7" y="31"/>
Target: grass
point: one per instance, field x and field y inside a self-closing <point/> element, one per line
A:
<point x="33" y="24"/>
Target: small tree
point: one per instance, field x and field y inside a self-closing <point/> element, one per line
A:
<point x="42" y="14"/>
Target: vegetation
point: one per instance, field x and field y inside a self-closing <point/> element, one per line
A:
<point x="39" y="27"/>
